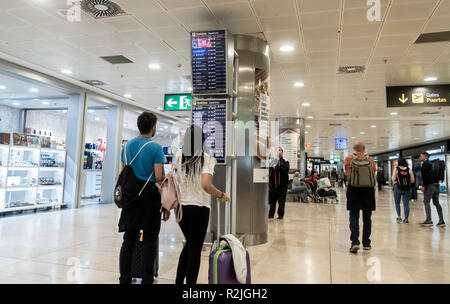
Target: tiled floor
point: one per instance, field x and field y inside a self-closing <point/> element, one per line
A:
<point x="309" y="246"/>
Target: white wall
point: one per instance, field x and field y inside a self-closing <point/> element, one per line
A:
<point x="9" y="119"/>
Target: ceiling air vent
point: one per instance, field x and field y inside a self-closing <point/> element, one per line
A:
<point x="116" y="59"/>
<point x="384" y="137"/>
<point x="433" y="37"/>
<point x="101" y="8"/>
<point x="420" y="125"/>
<point x="94" y="82"/>
<point x="341" y="114"/>
<point x="351" y="69"/>
<point x="429" y="113"/>
<point x="335" y="124"/>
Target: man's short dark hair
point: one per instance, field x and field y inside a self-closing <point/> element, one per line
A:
<point x="425" y="153"/>
<point x="146" y="121"/>
<point x="281" y="149"/>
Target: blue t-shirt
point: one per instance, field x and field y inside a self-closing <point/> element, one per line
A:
<point x="143" y="165"/>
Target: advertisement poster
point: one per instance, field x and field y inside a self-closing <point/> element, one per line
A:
<point x="262" y="116"/>
<point x="289" y="143"/>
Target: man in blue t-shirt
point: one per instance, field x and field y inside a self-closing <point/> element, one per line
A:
<point x="145" y="213"/>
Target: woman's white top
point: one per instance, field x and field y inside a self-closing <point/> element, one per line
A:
<point x="193" y="193"/>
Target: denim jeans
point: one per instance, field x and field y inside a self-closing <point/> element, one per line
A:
<point x="432" y="192"/>
<point x="398" y="195"/>
<point x="354" y="227"/>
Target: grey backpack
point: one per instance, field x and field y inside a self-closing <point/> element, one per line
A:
<point x="362" y="174"/>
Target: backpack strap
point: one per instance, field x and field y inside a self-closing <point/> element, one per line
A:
<point x="140" y="192"/>
<point x="143" y="146"/>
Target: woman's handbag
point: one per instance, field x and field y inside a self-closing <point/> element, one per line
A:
<point x="170" y="195"/>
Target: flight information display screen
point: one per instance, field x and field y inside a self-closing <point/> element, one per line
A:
<point x="211" y="115"/>
<point x="340" y="143"/>
<point x="209" y="62"/>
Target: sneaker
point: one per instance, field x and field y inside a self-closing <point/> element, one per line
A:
<point x="399" y="220"/>
<point x="405" y="221"/>
<point x="441" y="224"/>
<point x="427" y="223"/>
<point x="280" y="218"/>
<point x="354" y="249"/>
<point x="270" y="217"/>
<point x="367" y="247"/>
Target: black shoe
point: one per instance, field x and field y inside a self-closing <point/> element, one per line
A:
<point x="405" y="221"/>
<point x="270" y="217"/>
<point x="280" y="218"/>
<point x="367" y="247"/>
<point x="427" y="223"/>
<point x="441" y="224"/>
<point x="354" y="249"/>
<point x="399" y="219"/>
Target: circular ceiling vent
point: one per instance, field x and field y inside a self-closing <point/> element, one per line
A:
<point x="352" y="69"/>
<point x="101" y="8"/>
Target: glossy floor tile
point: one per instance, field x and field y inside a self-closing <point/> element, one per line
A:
<point x="309" y="246"/>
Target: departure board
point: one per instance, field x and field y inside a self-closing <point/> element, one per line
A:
<point x="211" y="116"/>
<point x="209" y="62"/>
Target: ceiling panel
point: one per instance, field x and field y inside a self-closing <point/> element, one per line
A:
<point x="232" y="11"/>
<point x="279" y="23"/>
<point x="159" y="19"/>
<point x="193" y="15"/>
<point x="314" y="5"/>
<point x="322" y="19"/>
<point x="270" y="8"/>
<point x="242" y="26"/>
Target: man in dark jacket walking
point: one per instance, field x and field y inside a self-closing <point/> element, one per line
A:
<point x="278" y="184"/>
<point x="360" y="198"/>
<point x="430" y="189"/>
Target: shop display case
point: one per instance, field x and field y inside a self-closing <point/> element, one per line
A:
<point x="30" y="177"/>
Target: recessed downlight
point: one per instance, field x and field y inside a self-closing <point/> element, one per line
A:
<point x="286" y="48"/>
<point x="394" y="113"/>
<point x="154" y="66"/>
<point x="97" y="118"/>
<point x="2" y="87"/>
<point x="306" y="104"/>
<point x="362" y="133"/>
<point x="16" y="104"/>
<point x="45" y="103"/>
<point x="127" y="95"/>
<point x="435" y="133"/>
<point x="373" y="126"/>
<point x="34" y="90"/>
<point x="308" y="126"/>
<point x="189" y="89"/>
<point x="299" y="84"/>
<point x="159" y="108"/>
<point x="187" y="118"/>
<point x="66" y="71"/>
<point x="91" y="111"/>
<point x="353" y="137"/>
<point x="430" y="79"/>
<point x="310" y="117"/>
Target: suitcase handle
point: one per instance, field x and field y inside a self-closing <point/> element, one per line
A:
<point x="227" y="222"/>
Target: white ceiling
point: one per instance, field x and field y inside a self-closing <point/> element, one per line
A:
<point x="325" y="33"/>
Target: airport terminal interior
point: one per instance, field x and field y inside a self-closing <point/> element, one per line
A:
<point x="315" y="78"/>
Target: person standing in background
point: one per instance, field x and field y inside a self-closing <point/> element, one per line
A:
<point x="380" y="178"/>
<point x="430" y="189"/>
<point x="278" y="184"/>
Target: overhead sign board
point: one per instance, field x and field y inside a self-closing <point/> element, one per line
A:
<point x="418" y="96"/>
<point x="209" y="62"/>
<point x="177" y="102"/>
<point x="340" y="143"/>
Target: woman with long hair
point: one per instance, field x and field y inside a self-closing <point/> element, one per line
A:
<point x="194" y="173"/>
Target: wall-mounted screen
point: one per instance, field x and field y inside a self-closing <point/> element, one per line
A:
<point x="209" y="62"/>
<point x="340" y="143"/>
<point x="211" y="115"/>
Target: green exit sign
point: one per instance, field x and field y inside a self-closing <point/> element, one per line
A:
<point x="177" y="102"/>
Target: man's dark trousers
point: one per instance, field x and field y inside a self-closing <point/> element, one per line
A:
<point x="277" y="194"/>
<point x="354" y="227"/>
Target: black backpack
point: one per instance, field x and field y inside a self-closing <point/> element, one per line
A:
<point x="403" y="179"/>
<point x="127" y="190"/>
<point x="438" y="170"/>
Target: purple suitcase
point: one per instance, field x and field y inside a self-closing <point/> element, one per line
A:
<point x="221" y="267"/>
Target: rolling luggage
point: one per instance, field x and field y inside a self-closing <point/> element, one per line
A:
<point x="137" y="259"/>
<point x="221" y="267"/>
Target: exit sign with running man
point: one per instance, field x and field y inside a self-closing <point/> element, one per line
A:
<point x="177" y="102"/>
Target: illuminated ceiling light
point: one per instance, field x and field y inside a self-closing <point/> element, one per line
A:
<point x="34" y="90"/>
<point x="127" y="95"/>
<point x="430" y="79"/>
<point x="305" y="104"/>
<point x="2" y="87"/>
<point x="64" y="111"/>
<point x="353" y="137"/>
<point x="154" y="66"/>
<point x="67" y="72"/>
<point x="362" y="133"/>
<point x="373" y="126"/>
<point x="306" y="132"/>
<point x="91" y="111"/>
<point x="299" y="84"/>
<point x="308" y="126"/>
<point x="394" y="113"/>
<point x="187" y="118"/>
<point x="16" y="104"/>
<point x="417" y="138"/>
<point x="159" y="108"/>
<point x="286" y="48"/>
<point x="435" y="133"/>
<point x="310" y="117"/>
<point x="189" y="89"/>
<point x="45" y="103"/>
<point x="97" y="118"/>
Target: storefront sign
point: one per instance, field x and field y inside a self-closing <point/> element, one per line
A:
<point x="392" y="157"/>
<point x="435" y="148"/>
<point x="307" y="145"/>
<point x="177" y="102"/>
<point x="441" y="149"/>
<point x="418" y="96"/>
